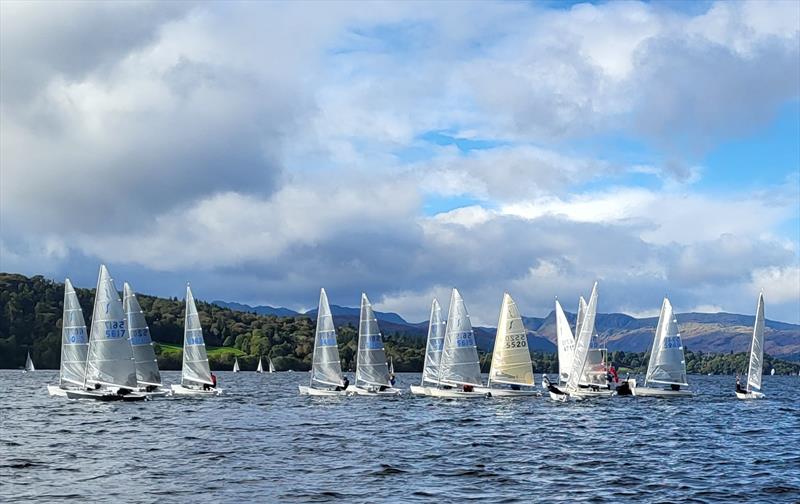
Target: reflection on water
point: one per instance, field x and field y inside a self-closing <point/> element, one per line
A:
<point x="261" y="441"/>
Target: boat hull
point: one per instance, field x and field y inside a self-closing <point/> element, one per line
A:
<point x="180" y="390"/>
<point x="749" y="395"/>
<point x="455" y="393"/>
<point x="353" y="390"/>
<point x="311" y="391"/>
<point x="56" y="391"/>
<point x="503" y="392"/>
<point x="159" y="392"/>
<point x="420" y="390"/>
<point x="558" y="397"/>
<point x="587" y="393"/>
<point x="104" y="395"/>
<point x="657" y="392"/>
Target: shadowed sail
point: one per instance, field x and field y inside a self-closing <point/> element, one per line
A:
<point x="195" y="368"/>
<point x="756" y="367"/>
<point x="74" y="339"/>
<point x="271" y="365"/>
<point x="667" y="364"/>
<point x="566" y="343"/>
<point x="371" y="368"/>
<point x="433" y="348"/>
<point x="581" y="314"/>
<point x="582" y="342"/>
<point x="144" y="354"/>
<point x="110" y="356"/>
<point x="459" y="364"/>
<point x="29" y="363"/>
<point x="326" y="368"/>
<point x="511" y="359"/>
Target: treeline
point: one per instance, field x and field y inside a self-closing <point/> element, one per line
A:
<point x="31" y="310"/>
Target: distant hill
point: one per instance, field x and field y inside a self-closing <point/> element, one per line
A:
<point x="336" y="310"/>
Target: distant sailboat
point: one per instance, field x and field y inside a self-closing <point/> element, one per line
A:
<point x="29" y="364"/>
<point x="372" y="372"/>
<point x="195" y="371"/>
<point x="326" y="377"/>
<point x="433" y="351"/>
<point x="667" y="366"/>
<point x="148" y="375"/>
<point x="271" y="365"/>
<point x="772" y="373"/>
<point x="756" y="366"/>
<point x="74" y="345"/>
<point x="235" y="364"/>
<point x="260" y="368"/>
<point x="511" y="366"/>
<point x="459" y="365"/>
<point x="391" y="366"/>
<point x="110" y="368"/>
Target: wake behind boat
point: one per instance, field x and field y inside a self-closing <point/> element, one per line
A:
<point x="326" y="369"/>
<point x="196" y="378"/>
<point x="511" y="367"/>
<point x="755" y="369"/>
<point x="74" y="345"/>
<point x="372" y="371"/>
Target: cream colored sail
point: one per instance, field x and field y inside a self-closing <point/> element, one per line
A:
<point x="511" y="358"/>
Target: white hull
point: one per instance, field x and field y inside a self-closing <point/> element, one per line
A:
<point x="455" y="393"/>
<point x="504" y="392"/>
<point x="159" y="392"/>
<point x="420" y="390"/>
<point x="558" y="397"/>
<point x="390" y="391"/>
<point x="311" y="391"/>
<point x="657" y="392"/>
<point x="55" y="390"/>
<point x="104" y="395"/>
<point x="749" y="395"/>
<point x="585" y="393"/>
<point x="195" y="392"/>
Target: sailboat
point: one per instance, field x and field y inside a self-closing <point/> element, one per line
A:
<point x="511" y="359"/>
<point x="566" y="350"/>
<point x="771" y="373"/>
<point x="459" y="365"/>
<point x="110" y="368"/>
<point x="271" y="365"/>
<point x="326" y="369"/>
<point x="372" y="371"/>
<point x="667" y="366"/>
<point x="756" y="367"/>
<point x="260" y="368"/>
<point x="235" y="364"/>
<point x="144" y="355"/>
<point x="391" y="366"/>
<point x="195" y="371"/>
<point x="594" y="379"/>
<point x="433" y="351"/>
<point x="74" y="345"/>
<point x="29" y="364"/>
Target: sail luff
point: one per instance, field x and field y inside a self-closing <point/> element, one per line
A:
<point x="511" y="358"/>
<point x="566" y="343"/>
<point x="755" y="369"/>
<point x="433" y="346"/>
<point x="582" y="342"/>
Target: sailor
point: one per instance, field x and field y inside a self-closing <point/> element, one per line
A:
<point x="612" y="374"/>
<point x="468" y="388"/>
<point x="392" y="379"/>
<point x="739" y="388"/>
<point x="206" y="386"/>
<point x="344" y="385"/>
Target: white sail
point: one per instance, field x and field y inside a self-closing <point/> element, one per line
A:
<point x="144" y="354"/>
<point x="459" y="364"/>
<point x="433" y="348"/>
<point x="326" y="368"/>
<point x="756" y="367"/>
<point x="667" y="364"/>
<point x="371" y="368"/>
<point x="391" y="366"/>
<point x="29" y="363"/>
<point x="566" y="343"/>
<point x="511" y="358"/>
<point x="195" y="369"/>
<point x="581" y="313"/>
<point x="260" y="368"/>
<point x="74" y="339"/>
<point x="272" y="366"/>
<point x="582" y="342"/>
<point x="235" y="364"/>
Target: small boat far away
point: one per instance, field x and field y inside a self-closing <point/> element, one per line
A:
<point x="148" y="375"/>
<point x="511" y="367"/>
<point x="235" y="364"/>
<point x="110" y="368"/>
<point x="29" y="364"/>
<point x="325" y="378"/>
<point x="433" y="351"/>
<point x="271" y="365"/>
<point x="74" y="345"/>
<point x="195" y="372"/>
<point x="372" y="370"/>
<point x="756" y="367"/>
<point x="260" y="368"/>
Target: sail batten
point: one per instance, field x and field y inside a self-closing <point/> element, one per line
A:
<point x="755" y="369"/>
<point x="110" y="359"/>
<point x="459" y="363"/>
<point x="195" y="367"/>
<point x="511" y="358"/>
<point x="667" y="364"/>
<point x="326" y="368"/>
<point x="371" y="367"/>
<point x="144" y="354"/>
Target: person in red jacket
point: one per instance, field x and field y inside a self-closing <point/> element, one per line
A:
<point x="612" y="374"/>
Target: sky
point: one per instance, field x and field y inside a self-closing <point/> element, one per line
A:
<point x="263" y="150"/>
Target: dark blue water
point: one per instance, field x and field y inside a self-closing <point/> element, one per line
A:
<point x="263" y="442"/>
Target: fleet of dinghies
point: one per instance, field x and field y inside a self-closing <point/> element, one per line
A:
<point x="116" y="359"/>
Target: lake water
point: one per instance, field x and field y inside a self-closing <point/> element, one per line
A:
<point x="263" y="442"/>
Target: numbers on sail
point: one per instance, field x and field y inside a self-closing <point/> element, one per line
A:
<point x="373" y="341"/>
<point x="76" y="334"/>
<point x="327" y="340"/>
<point x="140" y="336"/>
<point x="115" y="329"/>
<point x="194" y="340"/>
<point x="672" y="342"/>
<point x="516" y="341"/>
<point x="437" y="345"/>
<point x="465" y="339"/>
